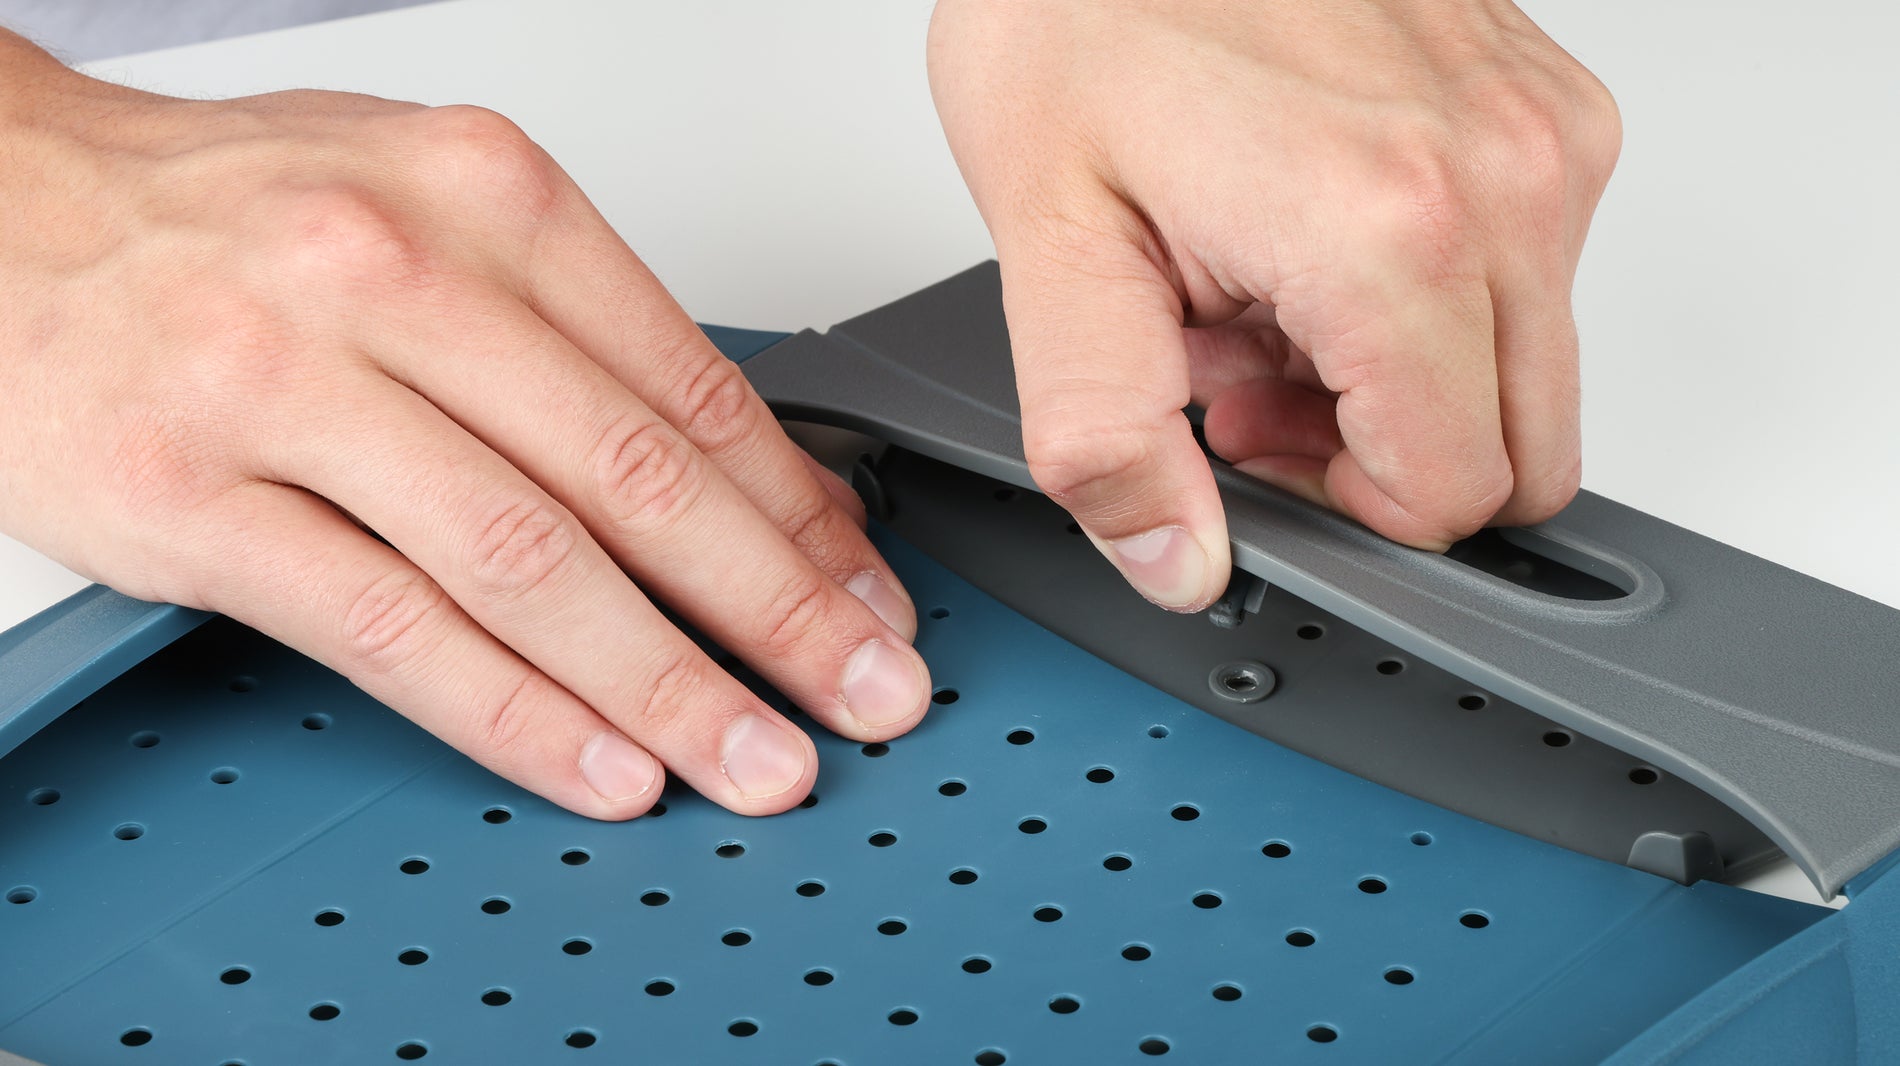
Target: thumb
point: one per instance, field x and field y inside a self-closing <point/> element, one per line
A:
<point x="1102" y="372"/>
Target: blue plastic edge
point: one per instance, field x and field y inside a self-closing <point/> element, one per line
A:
<point x="67" y="652"/>
<point x="1829" y="994"/>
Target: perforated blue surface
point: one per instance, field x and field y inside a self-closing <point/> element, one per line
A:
<point x="954" y="897"/>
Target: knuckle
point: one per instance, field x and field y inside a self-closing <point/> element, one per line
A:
<point x="793" y="615"/>
<point x="717" y="406"/>
<point x="1421" y="210"/>
<point x="521" y="549"/>
<point x="486" y="152"/>
<point x="498" y="728"/>
<point x="1540" y="496"/>
<point x="386" y="624"/>
<point x="811" y="529"/>
<point x="669" y="696"/>
<point x="647" y="474"/>
<point x="344" y="236"/>
<point x="1075" y="464"/>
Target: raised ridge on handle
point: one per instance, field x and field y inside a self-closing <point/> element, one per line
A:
<point x="1771" y="690"/>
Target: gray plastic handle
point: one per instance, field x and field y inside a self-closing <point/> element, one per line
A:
<point x="1770" y="690"/>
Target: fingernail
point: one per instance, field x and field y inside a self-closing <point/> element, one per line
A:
<point x="760" y="759"/>
<point x="615" y="768"/>
<point x="883" y="685"/>
<point x="1166" y="565"/>
<point x="884" y="600"/>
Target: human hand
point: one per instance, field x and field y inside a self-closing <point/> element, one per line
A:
<point x="231" y="331"/>
<point x="1348" y="230"/>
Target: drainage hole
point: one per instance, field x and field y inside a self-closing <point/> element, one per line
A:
<point x="1473" y="702"/>
<point x="819" y="978"/>
<point x="577" y="946"/>
<point x="963" y="875"/>
<point x="1389" y="667"/>
<point x="990" y="1057"/>
<point x="1474" y="920"/>
<point x="1301" y="938"/>
<point x="952" y="788"/>
<point x="1557" y="738"/>
<point x="1137" y="953"/>
<point x="944" y="696"/>
<point x="1049" y="914"/>
<point x="1309" y="631"/>
<point x="136" y="1037"/>
<point x="1101" y="775"/>
<point x="1276" y="849"/>
<point x="883" y="838"/>
<point x="1032" y="826"/>
<point x="580" y="856"/>
<point x="224" y="775"/>
<point x="1227" y="993"/>
<point x="1322" y="1034"/>
<point x="1186" y="812"/>
<point x="743" y="1027"/>
<point x="145" y="739"/>
<point x="128" y="831"/>
<point x="1117" y="863"/>
<point x="582" y="1038"/>
<point x="811" y="889"/>
<point x="497" y="815"/>
<point x="940" y="613"/>
<point x="736" y="938"/>
<point x="1020" y="737"/>
<point x="876" y="749"/>
<point x="411" y="1051"/>
<point x="660" y="988"/>
<point x="977" y="964"/>
<point x="324" y="1012"/>
<point x="730" y="849"/>
<point x="317" y="723"/>
<point x="243" y="683"/>
<point x="43" y="797"/>
<point x="1643" y="775"/>
<point x="892" y="926"/>
<point x="498" y="997"/>
<point x="806" y="804"/>
<point x="1158" y="731"/>
<point x="1154" y="1045"/>
<point x="659" y="809"/>
<point x="1422" y="838"/>
<point x="1399" y="975"/>
<point x="496" y="905"/>
<point x="903" y="1016"/>
<point x="22" y="894"/>
<point x="414" y="866"/>
<point x="413" y="957"/>
<point x="1207" y="901"/>
<point x="1065" y="1004"/>
<point x="1372" y="886"/>
<point x="329" y="918"/>
<point x="236" y="975"/>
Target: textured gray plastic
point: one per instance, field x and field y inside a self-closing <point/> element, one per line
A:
<point x="1337" y="693"/>
<point x="1768" y="689"/>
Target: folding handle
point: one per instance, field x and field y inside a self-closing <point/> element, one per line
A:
<point x="1770" y="690"/>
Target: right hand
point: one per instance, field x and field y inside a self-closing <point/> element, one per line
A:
<point x="238" y="336"/>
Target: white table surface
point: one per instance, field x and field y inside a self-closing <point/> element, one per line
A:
<point x="780" y="165"/>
